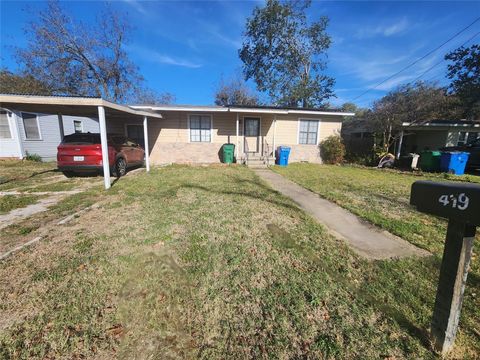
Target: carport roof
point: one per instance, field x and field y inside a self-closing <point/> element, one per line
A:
<point x="70" y="105"/>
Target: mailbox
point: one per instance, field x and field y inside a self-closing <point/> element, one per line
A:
<point x="460" y="204"/>
<point x="455" y="201"/>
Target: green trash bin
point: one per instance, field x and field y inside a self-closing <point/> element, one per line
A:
<point x="228" y="150"/>
<point x="430" y="160"/>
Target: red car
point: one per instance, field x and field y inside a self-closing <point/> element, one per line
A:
<point x="82" y="153"/>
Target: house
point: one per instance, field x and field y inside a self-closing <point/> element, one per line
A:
<point x="435" y="134"/>
<point x="195" y="134"/>
<point x="176" y="133"/>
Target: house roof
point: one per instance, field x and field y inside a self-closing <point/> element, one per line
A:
<point x="242" y="108"/>
<point x="69" y="105"/>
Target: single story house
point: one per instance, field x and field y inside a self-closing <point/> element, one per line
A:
<point x="435" y="134"/>
<point x="173" y="133"/>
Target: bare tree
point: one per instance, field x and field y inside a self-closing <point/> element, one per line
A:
<point x="234" y="91"/>
<point x="75" y="58"/>
<point x="145" y="96"/>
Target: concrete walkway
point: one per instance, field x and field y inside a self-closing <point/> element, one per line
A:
<point x="365" y="239"/>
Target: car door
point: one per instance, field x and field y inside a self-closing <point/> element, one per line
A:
<point x="124" y="148"/>
<point x="137" y="152"/>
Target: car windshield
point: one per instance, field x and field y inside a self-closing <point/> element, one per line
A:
<point x="82" y="139"/>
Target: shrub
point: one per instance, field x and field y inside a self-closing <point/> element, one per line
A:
<point x="332" y="150"/>
<point x="33" y="157"/>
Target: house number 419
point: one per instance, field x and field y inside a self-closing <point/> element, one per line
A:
<point x="459" y="202"/>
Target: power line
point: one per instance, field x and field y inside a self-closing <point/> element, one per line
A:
<point x="418" y="60"/>
<point x="441" y="61"/>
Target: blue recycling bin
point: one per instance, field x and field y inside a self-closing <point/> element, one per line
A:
<point x="283" y="153"/>
<point x="454" y="162"/>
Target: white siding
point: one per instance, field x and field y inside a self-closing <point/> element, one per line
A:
<point x="88" y="124"/>
<point x="49" y="125"/>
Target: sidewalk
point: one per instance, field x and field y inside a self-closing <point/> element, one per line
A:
<point x="365" y="239"/>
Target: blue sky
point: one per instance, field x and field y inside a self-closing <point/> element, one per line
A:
<point x="185" y="47"/>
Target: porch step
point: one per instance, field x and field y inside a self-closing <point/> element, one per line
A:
<point x="259" y="161"/>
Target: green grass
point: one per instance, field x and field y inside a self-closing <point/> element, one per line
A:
<point x="16" y="170"/>
<point x="10" y="202"/>
<point x="210" y="263"/>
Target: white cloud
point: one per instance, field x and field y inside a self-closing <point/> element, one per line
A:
<point x="157" y="57"/>
<point x="385" y="30"/>
<point x="137" y="5"/>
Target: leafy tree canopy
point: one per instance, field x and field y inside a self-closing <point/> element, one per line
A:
<point x="464" y="71"/>
<point x="11" y="83"/>
<point x="285" y="54"/>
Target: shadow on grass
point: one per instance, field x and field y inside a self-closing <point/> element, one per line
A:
<point x="31" y="176"/>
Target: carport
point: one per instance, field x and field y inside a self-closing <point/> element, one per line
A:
<point x="85" y="107"/>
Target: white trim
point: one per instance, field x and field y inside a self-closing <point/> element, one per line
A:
<point x="81" y="124"/>
<point x="313" y="112"/>
<point x="211" y="129"/>
<point x="240" y="110"/>
<point x="40" y="137"/>
<point x="13" y="100"/>
<point x="181" y="108"/>
<point x="427" y="124"/>
<point x="258" y="111"/>
<point x="318" y="130"/>
<point x="21" y="149"/>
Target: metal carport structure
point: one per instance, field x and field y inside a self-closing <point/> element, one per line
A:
<point x="85" y="107"/>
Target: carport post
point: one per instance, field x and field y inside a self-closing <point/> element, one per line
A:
<point x="236" y="138"/>
<point x="145" y="137"/>
<point x="103" y="140"/>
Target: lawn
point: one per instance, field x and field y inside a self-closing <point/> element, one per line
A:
<point x="210" y="263"/>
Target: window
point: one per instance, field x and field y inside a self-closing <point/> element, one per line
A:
<point x="308" y="132"/>
<point x="30" y="124"/>
<point x="200" y="128"/>
<point x="4" y="126"/>
<point x="77" y="125"/>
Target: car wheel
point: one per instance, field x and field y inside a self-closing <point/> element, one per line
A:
<point x="68" y="174"/>
<point x="120" y="167"/>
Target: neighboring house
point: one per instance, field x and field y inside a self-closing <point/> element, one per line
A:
<point x="176" y="134"/>
<point x="34" y="133"/>
<point x="358" y="137"/>
<point x="435" y="134"/>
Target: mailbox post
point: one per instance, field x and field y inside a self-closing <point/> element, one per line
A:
<point x="460" y="204"/>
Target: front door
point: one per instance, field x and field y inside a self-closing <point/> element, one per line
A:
<point x="251" y="131"/>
